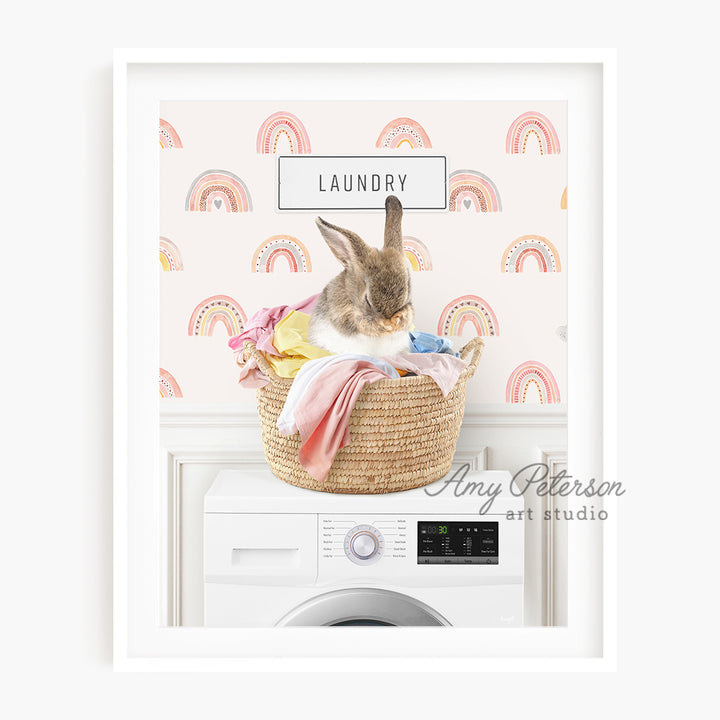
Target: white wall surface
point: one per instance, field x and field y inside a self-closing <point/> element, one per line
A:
<point x="56" y="506"/>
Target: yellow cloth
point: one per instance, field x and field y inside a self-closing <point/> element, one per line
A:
<point x="290" y="339"/>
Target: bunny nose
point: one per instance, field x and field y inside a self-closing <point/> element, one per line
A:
<point x="399" y="319"/>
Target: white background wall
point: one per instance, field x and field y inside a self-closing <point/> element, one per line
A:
<point x="56" y="507"/>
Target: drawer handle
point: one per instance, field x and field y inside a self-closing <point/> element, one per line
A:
<point x="264" y="557"/>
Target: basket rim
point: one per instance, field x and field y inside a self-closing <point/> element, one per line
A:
<point x="472" y="350"/>
<point x="404" y="381"/>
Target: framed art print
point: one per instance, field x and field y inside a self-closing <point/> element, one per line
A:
<point x="239" y="176"/>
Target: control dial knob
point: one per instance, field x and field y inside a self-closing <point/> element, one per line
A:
<point x="364" y="544"/>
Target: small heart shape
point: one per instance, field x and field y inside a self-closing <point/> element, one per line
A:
<point x="217" y="202"/>
<point x="467" y="203"/>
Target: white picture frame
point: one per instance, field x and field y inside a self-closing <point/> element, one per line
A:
<point x="586" y="80"/>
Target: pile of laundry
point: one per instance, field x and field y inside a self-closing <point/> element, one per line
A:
<point x="326" y="386"/>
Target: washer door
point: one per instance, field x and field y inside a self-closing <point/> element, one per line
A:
<point x="363" y="606"/>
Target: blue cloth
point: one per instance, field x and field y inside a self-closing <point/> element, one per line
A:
<point x="422" y="342"/>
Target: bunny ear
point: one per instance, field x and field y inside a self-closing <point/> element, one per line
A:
<point x="347" y="247"/>
<point x="393" y="223"/>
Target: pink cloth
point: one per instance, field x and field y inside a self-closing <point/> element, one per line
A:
<point x="261" y="326"/>
<point x="443" y="368"/>
<point x="321" y="412"/>
<point x="261" y="329"/>
<point x="251" y="376"/>
<point x="323" y="417"/>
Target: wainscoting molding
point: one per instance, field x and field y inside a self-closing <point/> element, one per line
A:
<point x="554" y="552"/>
<point x="176" y="460"/>
<point x="174" y="413"/>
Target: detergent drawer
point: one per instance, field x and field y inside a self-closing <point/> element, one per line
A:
<point x="260" y="549"/>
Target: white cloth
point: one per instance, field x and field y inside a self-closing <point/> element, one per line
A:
<point x="305" y="377"/>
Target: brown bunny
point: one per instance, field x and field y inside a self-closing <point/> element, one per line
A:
<point x="367" y="308"/>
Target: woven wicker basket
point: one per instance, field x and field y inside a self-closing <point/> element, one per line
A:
<point x="403" y="431"/>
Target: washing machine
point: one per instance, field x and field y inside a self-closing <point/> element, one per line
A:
<point x="277" y="555"/>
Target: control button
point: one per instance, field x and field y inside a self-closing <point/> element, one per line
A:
<point x="364" y="545"/>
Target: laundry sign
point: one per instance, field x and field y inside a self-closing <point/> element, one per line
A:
<point x="361" y="182"/>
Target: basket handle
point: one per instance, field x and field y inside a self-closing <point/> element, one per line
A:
<point x="474" y="346"/>
<point x="249" y="350"/>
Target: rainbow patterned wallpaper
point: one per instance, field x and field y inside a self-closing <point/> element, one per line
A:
<point x="493" y="265"/>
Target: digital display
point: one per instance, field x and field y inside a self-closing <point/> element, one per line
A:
<point x="458" y="543"/>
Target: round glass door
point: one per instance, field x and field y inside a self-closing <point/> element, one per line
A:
<point x="363" y="606"/>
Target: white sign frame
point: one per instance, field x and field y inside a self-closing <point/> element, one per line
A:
<point x="431" y="197"/>
<point x="587" y="80"/>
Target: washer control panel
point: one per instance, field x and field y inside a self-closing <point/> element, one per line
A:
<point x="417" y="550"/>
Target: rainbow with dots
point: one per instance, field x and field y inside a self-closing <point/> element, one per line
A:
<point x="170" y="258"/>
<point x="532" y="374"/>
<point x="472" y="190"/>
<point x="218" y="309"/>
<point x="530" y="246"/>
<point x="417" y="254"/>
<point x="533" y="125"/>
<point x="285" y="126"/>
<point x="218" y="190"/>
<point x="281" y="247"/>
<point x="403" y="133"/>
<point x="169" y="138"/>
<point x="468" y="309"/>
<point x="169" y="387"/>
